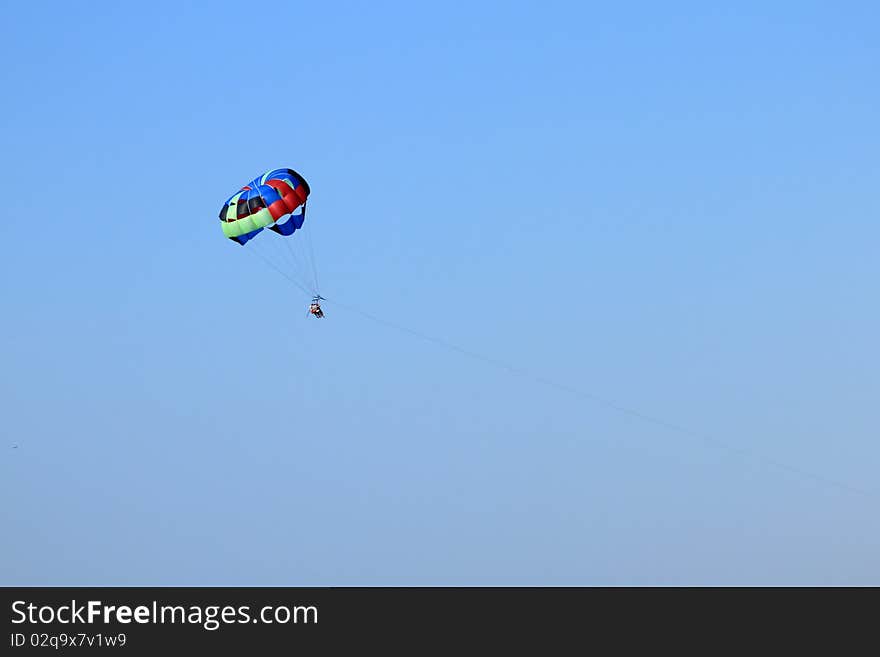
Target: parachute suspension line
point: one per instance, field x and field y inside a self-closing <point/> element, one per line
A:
<point x="285" y="257"/>
<point x="631" y="412"/>
<point x="311" y="252"/>
<point x="271" y="264"/>
<point x="264" y="254"/>
<point x="299" y="266"/>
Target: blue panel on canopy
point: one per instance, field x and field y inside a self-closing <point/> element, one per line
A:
<point x="241" y="239"/>
<point x="288" y="227"/>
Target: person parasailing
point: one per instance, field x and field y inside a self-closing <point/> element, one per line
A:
<point x="315" y="306"/>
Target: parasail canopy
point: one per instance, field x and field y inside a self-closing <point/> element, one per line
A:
<point x="268" y="201"/>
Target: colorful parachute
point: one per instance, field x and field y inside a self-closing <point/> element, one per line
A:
<point x="277" y="201"/>
<point x="262" y="203"/>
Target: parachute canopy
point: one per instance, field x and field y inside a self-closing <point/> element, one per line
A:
<point x="267" y="201"/>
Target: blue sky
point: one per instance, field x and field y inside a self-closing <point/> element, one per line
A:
<point x="670" y="206"/>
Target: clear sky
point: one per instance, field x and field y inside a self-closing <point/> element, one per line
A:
<point x="671" y="206"/>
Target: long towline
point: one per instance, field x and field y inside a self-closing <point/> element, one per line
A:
<point x="607" y="403"/>
<point x="671" y="426"/>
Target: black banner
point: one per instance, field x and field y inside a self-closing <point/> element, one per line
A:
<point x="418" y="620"/>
